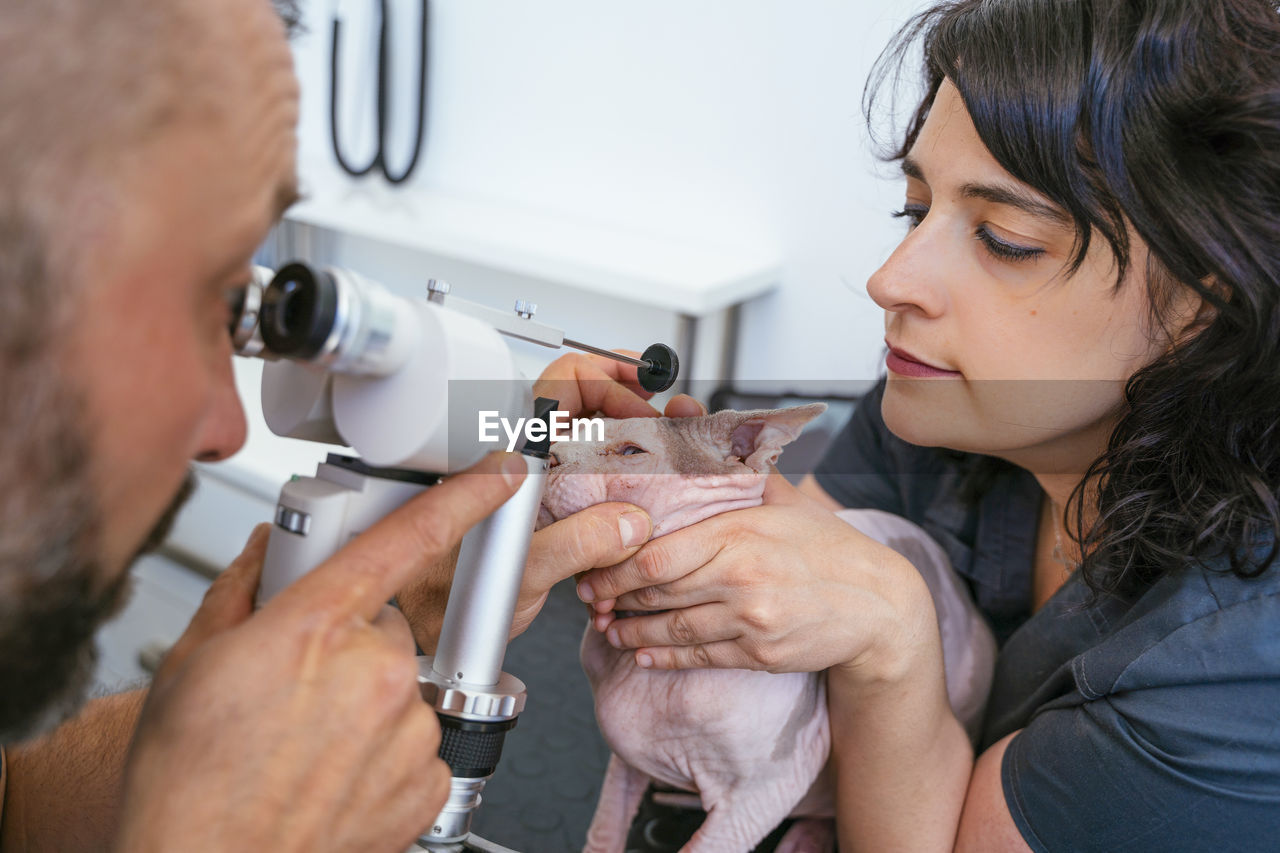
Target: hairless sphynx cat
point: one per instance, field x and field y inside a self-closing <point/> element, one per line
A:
<point x="749" y="746"/>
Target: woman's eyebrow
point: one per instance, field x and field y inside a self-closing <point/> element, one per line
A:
<point x="911" y="169"/>
<point x="1019" y="199"/>
<point x="999" y="193"/>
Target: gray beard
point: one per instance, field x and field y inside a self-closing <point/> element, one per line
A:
<point x="54" y="591"/>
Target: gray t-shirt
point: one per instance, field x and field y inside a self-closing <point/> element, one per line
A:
<point x="1151" y="723"/>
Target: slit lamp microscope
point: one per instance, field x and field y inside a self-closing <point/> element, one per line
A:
<point x="400" y="380"/>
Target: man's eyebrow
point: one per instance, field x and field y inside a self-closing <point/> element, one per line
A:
<point x="1005" y="194"/>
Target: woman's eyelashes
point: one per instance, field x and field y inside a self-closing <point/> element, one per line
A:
<point x="998" y="248"/>
<point x="913" y="213"/>
<point x="1005" y="250"/>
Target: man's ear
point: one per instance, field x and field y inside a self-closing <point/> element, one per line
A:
<point x="757" y="437"/>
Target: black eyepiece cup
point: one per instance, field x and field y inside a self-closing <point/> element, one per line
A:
<point x="299" y="309"/>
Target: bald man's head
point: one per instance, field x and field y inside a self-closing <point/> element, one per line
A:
<point x="82" y="82"/>
<point x="144" y="144"/>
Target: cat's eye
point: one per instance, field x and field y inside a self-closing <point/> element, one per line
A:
<point x="630" y="450"/>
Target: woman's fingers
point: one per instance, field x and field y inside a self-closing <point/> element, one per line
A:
<point x="659" y="562"/>
<point x="725" y="654"/>
<point x="704" y="623"/>
<point x="686" y="591"/>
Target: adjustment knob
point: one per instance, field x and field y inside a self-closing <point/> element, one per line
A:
<point x="437" y="290"/>
<point x="662" y="371"/>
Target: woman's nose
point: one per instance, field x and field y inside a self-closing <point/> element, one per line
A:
<point x="912" y="280"/>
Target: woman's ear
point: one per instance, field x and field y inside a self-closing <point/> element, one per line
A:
<point x="1195" y="311"/>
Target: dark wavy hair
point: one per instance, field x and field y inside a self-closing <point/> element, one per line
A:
<point x="1160" y="116"/>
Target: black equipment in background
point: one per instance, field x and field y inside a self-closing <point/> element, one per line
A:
<point x="379" y="160"/>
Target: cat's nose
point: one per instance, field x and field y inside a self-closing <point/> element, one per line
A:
<point x="554" y="460"/>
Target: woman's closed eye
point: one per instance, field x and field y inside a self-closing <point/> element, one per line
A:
<point x="997" y="247"/>
<point x="1003" y="249"/>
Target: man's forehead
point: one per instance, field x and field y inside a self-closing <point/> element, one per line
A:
<point x="201" y="194"/>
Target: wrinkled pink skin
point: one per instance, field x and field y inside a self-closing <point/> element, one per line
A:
<point x="753" y="745"/>
<point x="687" y="469"/>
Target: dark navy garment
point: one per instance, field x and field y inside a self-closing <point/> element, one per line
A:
<point x="1151" y="723"/>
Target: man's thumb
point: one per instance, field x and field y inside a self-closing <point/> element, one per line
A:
<point x="600" y="535"/>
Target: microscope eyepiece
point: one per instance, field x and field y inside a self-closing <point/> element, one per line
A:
<point x="245" y="307"/>
<point x="337" y="320"/>
<point x="299" y="312"/>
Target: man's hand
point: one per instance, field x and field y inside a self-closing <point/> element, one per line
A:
<point x="301" y="727"/>
<point x="588" y="385"/>
<point x="600" y="535"/>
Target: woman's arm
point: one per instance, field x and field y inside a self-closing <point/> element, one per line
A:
<point x="902" y="759"/>
<point x="809" y="487"/>
<point x="986" y="823"/>
<point x="905" y="774"/>
<point x="896" y="790"/>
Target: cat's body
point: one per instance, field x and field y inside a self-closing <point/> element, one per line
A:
<point x="753" y="745"/>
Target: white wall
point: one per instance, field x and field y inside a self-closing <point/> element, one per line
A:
<point x="724" y="122"/>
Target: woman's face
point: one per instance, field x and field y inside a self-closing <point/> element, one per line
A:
<point x="994" y="348"/>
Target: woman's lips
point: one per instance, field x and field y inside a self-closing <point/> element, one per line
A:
<point x="905" y="364"/>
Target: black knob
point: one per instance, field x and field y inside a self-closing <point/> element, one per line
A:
<point x="662" y="371"/>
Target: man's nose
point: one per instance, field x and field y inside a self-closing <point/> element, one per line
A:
<point x="912" y="280"/>
<point x="224" y="429"/>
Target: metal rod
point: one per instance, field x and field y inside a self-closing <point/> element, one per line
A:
<point x="625" y="359"/>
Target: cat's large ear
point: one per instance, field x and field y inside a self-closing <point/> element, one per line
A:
<point x="757" y="437"/>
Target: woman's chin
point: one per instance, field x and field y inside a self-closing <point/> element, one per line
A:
<point x="932" y="414"/>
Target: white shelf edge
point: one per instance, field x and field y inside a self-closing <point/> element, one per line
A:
<point x="637" y="268"/>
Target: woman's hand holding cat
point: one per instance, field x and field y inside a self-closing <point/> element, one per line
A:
<point x="784" y="587"/>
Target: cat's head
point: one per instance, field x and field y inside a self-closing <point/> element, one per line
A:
<point x="675" y="468"/>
